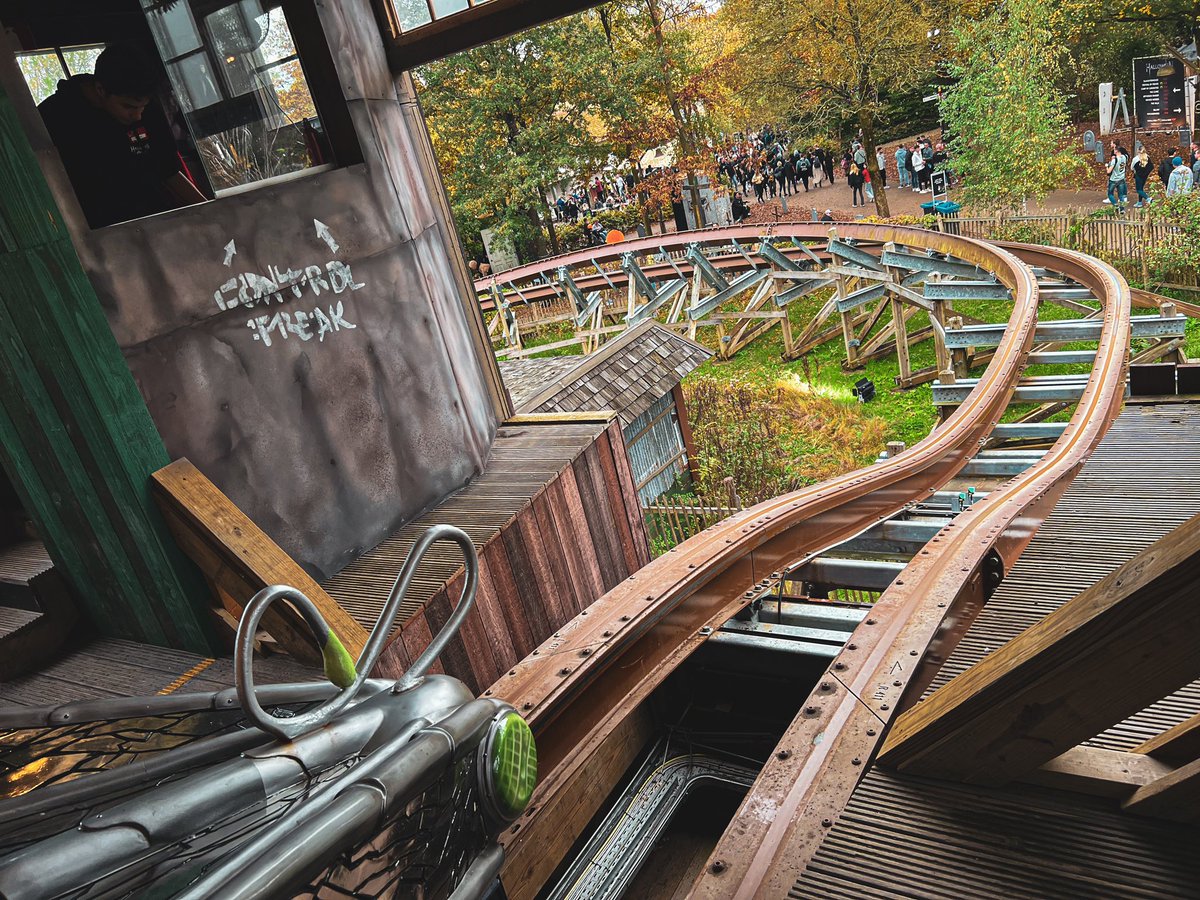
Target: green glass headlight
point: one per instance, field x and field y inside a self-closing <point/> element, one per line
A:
<point x="508" y="766"/>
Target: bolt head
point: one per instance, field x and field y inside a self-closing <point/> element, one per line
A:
<point x="856" y="761"/>
<point x="884" y="706"/>
<point x="870" y="732"/>
<point x="827" y="823"/>
<point x="718" y="866"/>
<point x="896" y="683"/>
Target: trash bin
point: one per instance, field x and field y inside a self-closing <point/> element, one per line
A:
<point x="946" y="207"/>
<point x="930" y="208"/>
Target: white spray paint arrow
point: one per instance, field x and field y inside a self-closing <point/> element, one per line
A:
<point x="324" y="234"/>
<point x="230" y="252"/>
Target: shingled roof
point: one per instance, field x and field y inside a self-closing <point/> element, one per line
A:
<point x="627" y="374"/>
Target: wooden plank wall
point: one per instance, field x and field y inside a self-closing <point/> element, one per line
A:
<point x="575" y="539"/>
<point x="76" y="439"/>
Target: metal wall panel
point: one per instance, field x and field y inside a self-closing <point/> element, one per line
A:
<point x="341" y="400"/>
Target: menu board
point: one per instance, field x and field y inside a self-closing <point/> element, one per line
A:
<point x="1158" y="85"/>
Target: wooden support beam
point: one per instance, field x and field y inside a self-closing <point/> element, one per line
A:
<point x="1175" y="796"/>
<point x="903" y="356"/>
<point x="1098" y="772"/>
<point x="1068" y="677"/>
<point x="238" y="558"/>
<point x="1177" y="745"/>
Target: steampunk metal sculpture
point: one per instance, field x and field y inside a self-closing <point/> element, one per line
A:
<point x="359" y="788"/>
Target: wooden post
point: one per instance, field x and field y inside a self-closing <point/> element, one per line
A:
<point x="1124" y="643"/>
<point x="76" y="438"/>
<point x="848" y="336"/>
<point x="939" y="341"/>
<point x="685" y="432"/>
<point x="900" y="327"/>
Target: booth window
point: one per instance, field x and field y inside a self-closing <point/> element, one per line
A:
<point x="241" y="87"/>
<point x="44" y="69"/>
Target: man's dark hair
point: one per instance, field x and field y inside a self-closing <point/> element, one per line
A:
<point x="125" y="70"/>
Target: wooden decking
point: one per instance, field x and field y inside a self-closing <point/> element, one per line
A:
<point x="556" y="523"/>
<point x="109" y="668"/>
<point x="906" y="836"/>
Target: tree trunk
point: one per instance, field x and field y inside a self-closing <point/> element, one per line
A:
<point x="549" y="222"/>
<point x="686" y="145"/>
<point x="868" y="130"/>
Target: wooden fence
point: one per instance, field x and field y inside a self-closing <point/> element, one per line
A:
<point x="1120" y="239"/>
<point x="672" y="519"/>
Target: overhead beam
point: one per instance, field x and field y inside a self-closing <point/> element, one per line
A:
<point x="1175" y="796"/>
<point x="1178" y="745"/>
<point x="1124" y="643"/>
<point x="1099" y="772"/>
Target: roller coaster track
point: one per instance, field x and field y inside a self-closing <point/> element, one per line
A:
<point x="581" y="688"/>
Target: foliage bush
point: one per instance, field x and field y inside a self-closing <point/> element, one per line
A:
<point x="1176" y="246"/>
<point x="774" y="437"/>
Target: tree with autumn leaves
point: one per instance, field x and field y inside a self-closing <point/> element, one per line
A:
<point x="563" y="100"/>
<point x="819" y="63"/>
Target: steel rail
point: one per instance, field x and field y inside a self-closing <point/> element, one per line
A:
<point x="580" y="686"/>
<point x="891" y="657"/>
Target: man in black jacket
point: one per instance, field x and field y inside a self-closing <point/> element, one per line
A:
<point x="115" y="142"/>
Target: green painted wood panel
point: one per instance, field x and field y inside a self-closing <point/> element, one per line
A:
<point x="78" y="442"/>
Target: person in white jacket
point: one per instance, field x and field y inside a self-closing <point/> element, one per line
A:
<point x="918" y="162"/>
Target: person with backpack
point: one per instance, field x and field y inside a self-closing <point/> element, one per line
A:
<point x="804" y="170"/>
<point x="1118" y="188"/>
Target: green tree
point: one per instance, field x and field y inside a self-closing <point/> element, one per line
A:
<point x="513" y="117"/>
<point x="1010" y="125"/>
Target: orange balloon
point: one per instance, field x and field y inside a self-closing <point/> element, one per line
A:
<point x="614" y="237"/>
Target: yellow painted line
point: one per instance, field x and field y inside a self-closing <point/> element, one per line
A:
<point x="187" y="676"/>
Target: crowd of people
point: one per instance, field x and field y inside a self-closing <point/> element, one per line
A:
<point x="1179" y="172"/>
<point x="599" y="192"/>
<point x="767" y="165"/>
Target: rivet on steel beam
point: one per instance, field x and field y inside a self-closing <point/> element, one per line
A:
<point x="586" y="651"/>
<point x="605" y="634"/>
<point x="839" y="666"/>
<point x="912" y="652"/>
<point x="870" y="621"/>
<point x="852" y="646"/>
<point x="706" y="631"/>
<point x="717" y="867"/>
<point x="884" y="706"/>
<point x="870" y="732"/>
<point x="811" y="710"/>
<point x="649" y="597"/>
<point x="899" y="581"/>
<point x="623" y="619"/>
<point x="564" y="672"/>
<point x="856" y="761"/>
<point x="941" y="605"/>
<point x="826" y="686"/>
<point x="536" y="652"/>
<point x="827" y="823"/>
<point x="896" y="683"/>
<point x="783" y="754"/>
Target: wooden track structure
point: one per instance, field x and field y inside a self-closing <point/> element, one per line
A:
<point x="585" y="691"/>
<point x="738" y="284"/>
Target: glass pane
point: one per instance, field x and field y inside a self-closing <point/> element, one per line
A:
<point x="412" y="14"/>
<point x="82" y="60"/>
<point x="277" y="43"/>
<point x="195" y="85"/>
<point x="442" y="8"/>
<point x="174" y="29"/>
<point x="42" y="73"/>
<point x="243" y="92"/>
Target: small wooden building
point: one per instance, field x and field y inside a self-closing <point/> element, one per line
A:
<point x="637" y="376"/>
